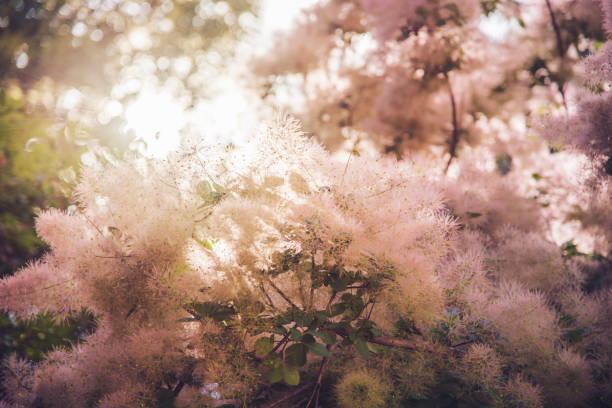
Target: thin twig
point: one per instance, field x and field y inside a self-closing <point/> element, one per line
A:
<point x="560" y="48"/>
<point x="287" y="397"/>
<point x="462" y="344"/>
<point x="400" y="343"/>
<point x="225" y="402"/>
<point x="331" y="299"/>
<point x="386" y="190"/>
<point x="178" y="388"/>
<point x="113" y="256"/>
<point x="317" y="389"/>
<point x="280" y="292"/>
<point x="371" y="309"/>
<point x="263" y="289"/>
<point x="314" y="270"/>
<point x="455" y="135"/>
<point x="92" y="223"/>
<point x="280" y="343"/>
<point x="390" y="341"/>
<point x="346" y="167"/>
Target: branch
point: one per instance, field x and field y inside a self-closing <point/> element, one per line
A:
<point x="280" y="292"/>
<point x="331" y="299"/>
<point x="178" y="388"/>
<point x="280" y="343"/>
<point x="391" y="341"/>
<point x="312" y="274"/>
<point x="91" y="222"/>
<point x="113" y="257"/>
<point x="464" y="343"/>
<point x="372" y="309"/>
<point x="400" y="343"/>
<point x="455" y="135"/>
<point x="287" y="397"/>
<point x="560" y="47"/>
<point x="317" y="389"/>
<point x="263" y="290"/>
<point x="225" y="402"/>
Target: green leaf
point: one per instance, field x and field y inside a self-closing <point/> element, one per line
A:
<point x="291" y="375"/>
<point x="272" y="361"/>
<point x="302" y="319"/>
<point x="362" y="348"/>
<point x="339" y="284"/>
<point x="296" y="335"/>
<point x="165" y="398"/>
<point x="328" y="337"/>
<point x="205" y="243"/>
<point x="337" y="308"/>
<point x="371" y="347"/>
<point x="263" y="346"/>
<point x="319" y="349"/>
<point x="275" y="374"/>
<point x="295" y="355"/>
<point x="320" y="317"/>
<point x="215" y="310"/>
<point x="473" y="214"/>
<point x="308" y="339"/>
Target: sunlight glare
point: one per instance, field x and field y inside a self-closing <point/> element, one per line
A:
<point x="498" y="27"/>
<point x="156" y="119"/>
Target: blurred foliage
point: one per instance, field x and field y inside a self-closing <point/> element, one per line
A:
<point x="33" y="156"/>
<point x="97" y="46"/>
<point x="96" y="31"/>
<point x="30" y="339"/>
<point x="49" y="47"/>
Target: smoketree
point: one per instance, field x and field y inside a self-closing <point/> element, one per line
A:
<point x="447" y="247"/>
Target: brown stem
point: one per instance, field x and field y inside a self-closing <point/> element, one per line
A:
<point x="132" y="310"/>
<point x="280" y="343"/>
<point x="400" y="343"/>
<point x="371" y="309"/>
<point x="292" y="394"/>
<point x="280" y="292"/>
<point x="312" y="275"/>
<point x="390" y="341"/>
<point x="225" y="402"/>
<point x="331" y="299"/>
<point x="455" y="135"/>
<point x="317" y="387"/>
<point x="92" y="223"/>
<point x="263" y="290"/>
<point x="462" y="344"/>
<point x="178" y="388"/>
<point x="560" y="48"/>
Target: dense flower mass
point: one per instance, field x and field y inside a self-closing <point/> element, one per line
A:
<point x="443" y="238"/>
